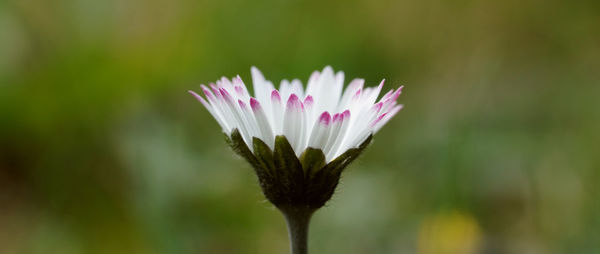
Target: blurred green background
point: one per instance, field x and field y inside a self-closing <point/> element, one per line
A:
<point x="102" y="150"/>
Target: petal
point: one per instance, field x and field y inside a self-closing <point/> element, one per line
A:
<point x="320" y="131"/>
<point x="277" y="112"/>
<point x="344" y="120"/>
<point x="211" y="110"/>
<point x="262" y="122"/>
<point x="293" y="123"/>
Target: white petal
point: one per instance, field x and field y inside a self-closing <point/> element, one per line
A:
<point x="296" y="88"/>
<point x="353" y="87"/>
<point x="377" y="126"/>
<point x="211" y="111"/>
<point x="345" y="121"/>
<point x="258" y="82"/>
<point x="285" y="89"/>
<point x="263" y="123"/>
<point x="311" y="85"/>
<point x="249" y="121"/>
<point x="336" y="125"/>
<point x="293" y="123"/>
<point x="320" y="133"/>
<point x="277" y="113"/>
<point x="236" y="114"/>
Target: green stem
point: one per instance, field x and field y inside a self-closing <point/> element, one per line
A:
<point x="297" y="219"/>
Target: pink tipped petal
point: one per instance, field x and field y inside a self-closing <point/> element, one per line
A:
<point x="254" y="104"/>
<point x="378" y="119"/>
<point x="388" y="106"/>
<point x="336" y="117"/>
<point x="239" y="90"/>
<point x="211" y="110"/>
<point x="387" y="95"/>
<point x="386" y="118"/>
<point x="217" y="93"/>
<point x="293" y="102"/>
<point x="320" y="132"/>
<point x="242" y="104"/>
<point x="215" y="89"/>
<point x="198" y="97"/>
<point x="325" y="118"/>
<point x="293" y="97"/>
<point x="356" y="84"/>
<point x="377" y="107"/>
<point x="275" y="96"/>
<point x="262" y="122"/>
<point x="225" y="94"/>
<point x="397" y="93"/>
<point x="293" y="123"/>
<point x="338" y="135"/>
<point x="346" y="114"/>
<point x="334" y="133"/>
<point x="207" y="92"/>
<point x="308" y="101"/>
<point x="237" y="80"/>
<point x="357" y="94"/>
<point x="377" y="90"/>
<point x="277" y="112"/>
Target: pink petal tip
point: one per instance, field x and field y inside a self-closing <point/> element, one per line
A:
<point x="346" y="114"/>
<point x="242" y="104"/>
<point x="325" y="118"/>
<point x="239" y="90"/>
<point x="254" y="104"/>
<point x="378" y="106"/>
<point x="308" y="101"/>
<point x="293" y="102"/>
<point x="336" y="117"/>
<point x="275" y="96"/>
<point x="378" y="119"/>
<point x="198" y="97"/>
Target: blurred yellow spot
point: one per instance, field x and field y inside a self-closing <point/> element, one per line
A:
<point x="449" y="233"/>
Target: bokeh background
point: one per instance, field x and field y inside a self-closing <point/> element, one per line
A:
<point x="102" y="150"/>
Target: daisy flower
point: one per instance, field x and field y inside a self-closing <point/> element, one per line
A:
<point x="323" y="116"/>
<point x="299" y="140"/>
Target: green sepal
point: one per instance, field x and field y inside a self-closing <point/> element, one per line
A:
<point x="269" y="182"/>
<point x="312" y="160"/>
<point x="322" y="184"/>
<point x="265" y="179"/>
<point x="288" y="170"/>
<point x="236" y="142"/>
<point x="263" y="154"/>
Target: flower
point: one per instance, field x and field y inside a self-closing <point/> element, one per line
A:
<point x="321" y="117"/>
<point x="299" y="141"/>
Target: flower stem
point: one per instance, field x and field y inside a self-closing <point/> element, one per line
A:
<point x="297" y="219"/>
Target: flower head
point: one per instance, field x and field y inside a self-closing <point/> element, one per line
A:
<point x="299" y="140"/>
<point x="322" y="116"/>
